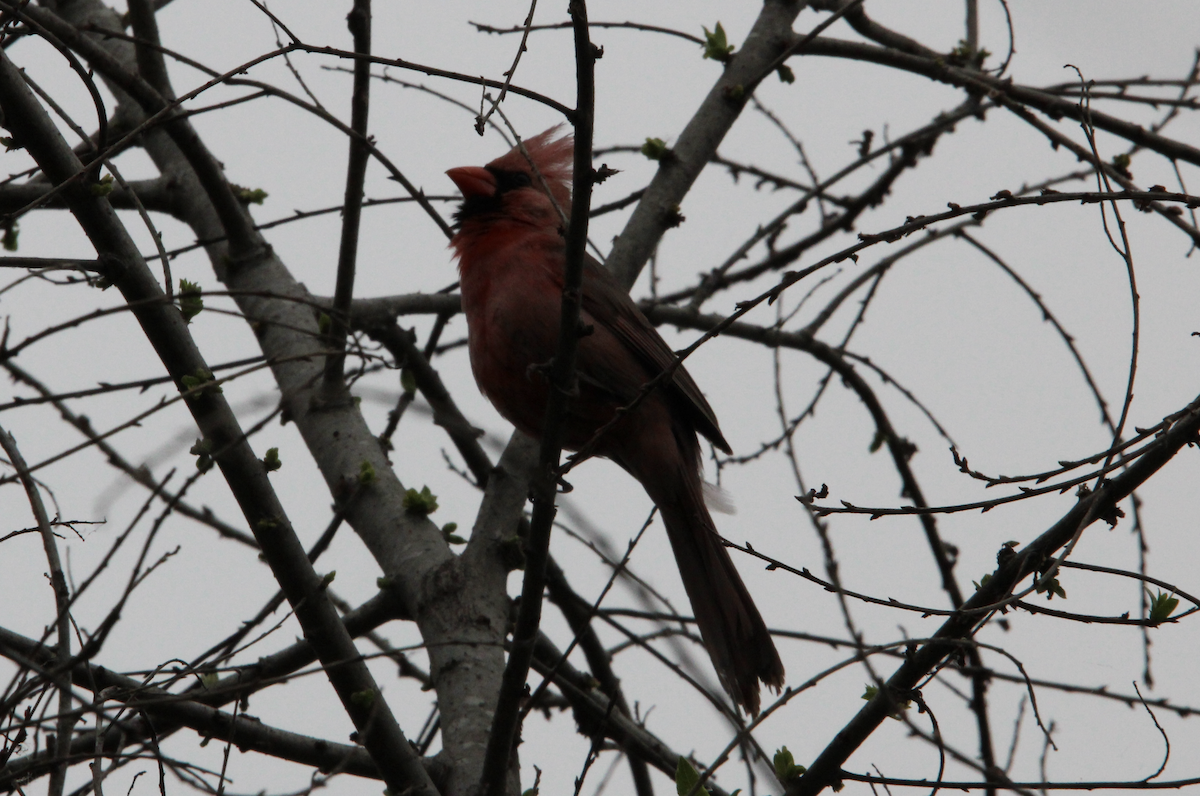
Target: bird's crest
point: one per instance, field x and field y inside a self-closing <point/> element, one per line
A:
<point x="554" y="156"/>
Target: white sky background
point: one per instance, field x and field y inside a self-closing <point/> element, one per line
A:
<point x="947" y="324"/>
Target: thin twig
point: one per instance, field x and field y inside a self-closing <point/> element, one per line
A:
<point x="359" y="21"/>
<point x="62" y="599"/>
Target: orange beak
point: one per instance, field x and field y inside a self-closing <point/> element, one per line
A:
<point x="473" y="181"/>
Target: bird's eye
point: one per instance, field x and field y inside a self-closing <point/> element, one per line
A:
<point x="512" y="180"/>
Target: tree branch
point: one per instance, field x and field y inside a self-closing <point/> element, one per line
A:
<point x="359" y="21"/>
<point x="167" y="332"/>
<point x="936" y="68"/>
<point x="435" y="587"/>
<point x="499" y="760"/>
<point x="169" y="711"/>
<point x="62" y="602"/>
<point x="658" y="210"/>
<point x="826" y="768"/>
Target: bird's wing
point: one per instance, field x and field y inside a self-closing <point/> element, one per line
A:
<point x="608" y="304"/>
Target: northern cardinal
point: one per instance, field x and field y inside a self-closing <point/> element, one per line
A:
<point x="511" y="255"/>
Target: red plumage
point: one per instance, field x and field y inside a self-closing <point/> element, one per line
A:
<point x="511" y="255"/>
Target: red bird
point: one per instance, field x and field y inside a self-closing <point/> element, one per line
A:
<point x="511" y="256"/>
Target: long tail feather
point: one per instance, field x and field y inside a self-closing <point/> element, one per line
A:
<point x="733" y="631"/>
